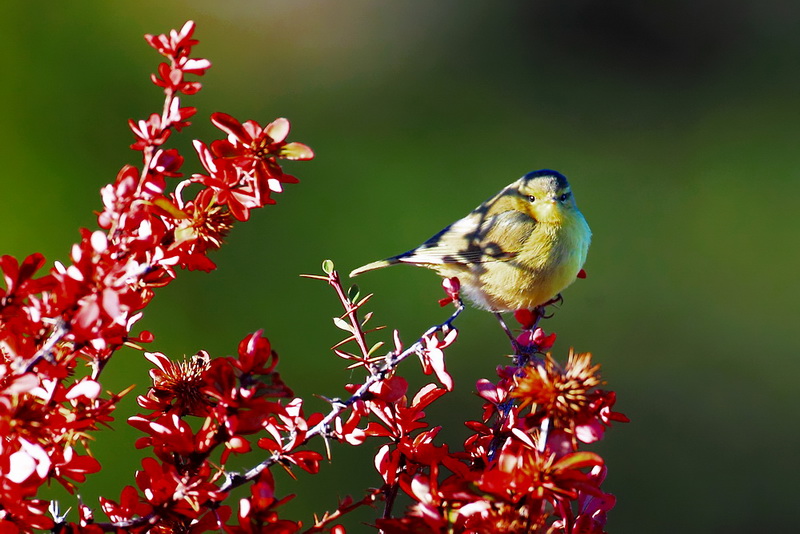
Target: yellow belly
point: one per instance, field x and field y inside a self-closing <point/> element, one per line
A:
<point x="549" y="262"/>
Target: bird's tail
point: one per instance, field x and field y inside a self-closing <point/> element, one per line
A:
<point x="374" y="265"/>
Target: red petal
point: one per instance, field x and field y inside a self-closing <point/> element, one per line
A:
<point x="436" y="358"/>
<point x="306" y="460"/>
<point x="525" y="317"/>
<point x="427" y="395"/>
<point x="390" y="390"/>
<point x="231" y="126"/>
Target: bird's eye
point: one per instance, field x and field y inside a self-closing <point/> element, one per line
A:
<point x="532" y="198"/>
<point x="563" y="197"/>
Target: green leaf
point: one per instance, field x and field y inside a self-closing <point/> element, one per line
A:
<point x="367" y="317"/>
<point x="364" y="300"/>
<point x="353" y="293"/>
<point x="375" y="347"/>
<point x="327" y="266"/>
<point x="341" y="323"/>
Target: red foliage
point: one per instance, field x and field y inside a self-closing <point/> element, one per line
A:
<point x="520" y="471"/>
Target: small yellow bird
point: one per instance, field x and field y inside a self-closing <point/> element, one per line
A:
<point x="518" y="250"/>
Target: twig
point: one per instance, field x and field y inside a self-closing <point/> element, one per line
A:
<point x="391" y="492"/>
<point x="319" y="524"/>
<point x="522" y="356"/>
<point x="57" y="335"/>
<point x="350" y="310"/>
<point x="390" y="361"/>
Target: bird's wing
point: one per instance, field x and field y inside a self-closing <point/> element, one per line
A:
<point x="475" y="239"/>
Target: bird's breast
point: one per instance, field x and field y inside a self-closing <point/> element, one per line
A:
<point x="550" y="261"/>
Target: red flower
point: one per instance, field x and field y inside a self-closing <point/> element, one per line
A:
<point x="177" y="385"/>
<point x="69" y="464"/>
<point x="536" y="338"/>
<point x="526" y="318"/>
<point x="523" y="473"/>
<point x="568" y="396"/>
<point x="19" y="279"/>
<point x="149" y="132"/>
<point x="232" y="185"/>
<point x="256" y="356"/>
<point x="177" y="44"/>
<point x="183" y="494"/>
<point x="451" y="287"/>
<point x="130" y="506"/>
<point x="259" y="513"/>
<point x="256" y="149"/>
<point x="399" y="420"/>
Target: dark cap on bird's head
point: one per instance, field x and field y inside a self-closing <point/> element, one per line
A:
<point x="558" y="180"/>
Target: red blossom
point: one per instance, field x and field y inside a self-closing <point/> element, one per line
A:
<point x="86" y="308"/>
<point x="526" y="318"/>
<point x="525" y="473"/>
<point x="68" y="464"/>
<point x="176" y="47"/>
<point x="233" y="186"/>
<point x="19" y="279"/>
<point x="183" y="494"/>
<point x="451" y="286"/>
<point x="256" y="150"/>
<point x="567" y="396"/>
<point x="178" y="43"/>
<point x="130" y="505"/>
<point x="149" y="132"/>
<point x="256" y="356"/>
<point x="259" y="513"/>
<point x="177" y="385"/>
<point x="536" y="338"/>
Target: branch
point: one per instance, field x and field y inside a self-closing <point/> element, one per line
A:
<point x="390" y="361"/>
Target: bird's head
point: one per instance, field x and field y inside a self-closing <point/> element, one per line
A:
<point x="545" y="195"/>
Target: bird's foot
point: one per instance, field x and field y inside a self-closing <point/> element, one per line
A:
<point x="558" y="299"/>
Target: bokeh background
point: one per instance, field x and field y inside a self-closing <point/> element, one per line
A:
<point x="677" y="123"/>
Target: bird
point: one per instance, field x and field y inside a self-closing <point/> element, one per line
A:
<point x="518" y="250"/>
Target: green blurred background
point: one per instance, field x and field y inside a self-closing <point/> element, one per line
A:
<point x="677" y="123"/>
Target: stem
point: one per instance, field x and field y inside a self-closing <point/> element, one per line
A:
<point x="319" y="524"/>
<point x="350" y="310"/>
<point x="390" y="361"/>
<point x="391" y="491"/>
<point x="522" y="356"/>
<point x="46" y="351"/>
